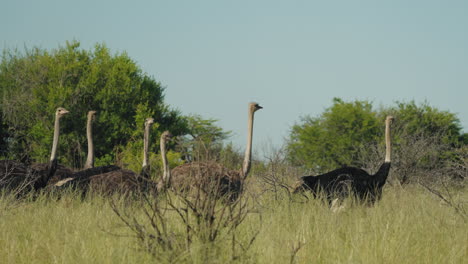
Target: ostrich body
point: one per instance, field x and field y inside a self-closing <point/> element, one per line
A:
<point x="341" y="181"/>
<point x="214" y="177"/>
<point x="118" y="181"/>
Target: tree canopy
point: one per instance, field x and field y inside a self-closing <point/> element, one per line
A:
<point x="204" y="139"/>
<point x="333" y="139"/>
<point x="35" y="82"/>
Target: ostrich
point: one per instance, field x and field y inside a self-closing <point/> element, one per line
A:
<point x="14" y="174"/>
<point x="116" y="180"/>
<point x="45" y="172"/>
<point x="340" y="181"/>
<point x="213" y="177"/>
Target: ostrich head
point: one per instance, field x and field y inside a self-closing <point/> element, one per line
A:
<point x="166" y="136"/>
<point x="61" y="112"/>
<point x="390" y="118"/>
<point x="149" y="121"/>
<point x="254" y="107"/>
<point x="92" y="115"/>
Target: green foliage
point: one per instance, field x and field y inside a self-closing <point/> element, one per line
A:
<point x="34" y="84"/>
<point x="417" y="119"/>
<point x="131" y="155"/>
<point x="3" y="136"/>
<point x="334" y="138"/>
<point x="463" y="139"/>
<point x="204" y="139"/>
<point x="231" y="157"/>
<point x="205" y="129"/>
<point x="426" y="142"/>
<point x="339" y="135"/>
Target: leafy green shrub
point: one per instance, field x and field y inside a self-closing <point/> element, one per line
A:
<point x="34" y="83"/>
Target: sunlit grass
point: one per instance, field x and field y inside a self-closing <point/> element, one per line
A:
<point x="407" y="226"/>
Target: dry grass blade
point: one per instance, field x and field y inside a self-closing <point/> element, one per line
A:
<point x="448" y="199"/>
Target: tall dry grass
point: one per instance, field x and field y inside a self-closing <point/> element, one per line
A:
<point x="408" y="225"/>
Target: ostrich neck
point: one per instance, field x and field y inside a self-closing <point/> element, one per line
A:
<point x="388" y="148"/>
<point x="89" y="135"/>
<point x="166" y="170"/>
<point x="146" y="146"/>
<point x="382" y="173"/>
<point x="248" y="149"/>
<point x="53" y="154"/>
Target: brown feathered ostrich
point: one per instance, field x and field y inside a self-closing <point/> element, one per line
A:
<point x="212" y="176"/>
<point x="119" y="180"/>
<point x="339" y="182"/>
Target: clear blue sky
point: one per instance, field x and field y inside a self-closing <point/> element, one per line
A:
<point x="292" y="57"/>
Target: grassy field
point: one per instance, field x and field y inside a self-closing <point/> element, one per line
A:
<point x="408" y="225"/>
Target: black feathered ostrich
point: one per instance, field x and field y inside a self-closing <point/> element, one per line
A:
<point x="45" y="172"/>
<point x="339" y="182"/>
<point x="14" y="174"/>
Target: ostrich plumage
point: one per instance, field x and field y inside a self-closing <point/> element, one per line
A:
<point x="112" y="179"/>
<point x="14" y="174"/>
<point x="214" y="177"/>
<point x="344" y="181"/>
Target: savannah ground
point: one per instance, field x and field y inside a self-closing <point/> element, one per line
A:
<point x="409" y="225"/>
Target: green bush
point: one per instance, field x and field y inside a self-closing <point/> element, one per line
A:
<point x="34" y="83"/>
<point x="334" y="138"/>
